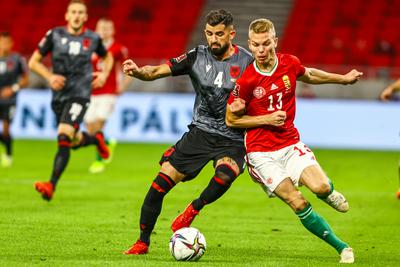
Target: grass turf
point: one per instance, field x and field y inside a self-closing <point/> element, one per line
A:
<point x="94" y="218"/>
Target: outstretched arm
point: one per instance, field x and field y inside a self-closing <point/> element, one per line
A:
<point x="388" y="91"/>
<point x="316" y="76"/>
<point x="145" y="73"/>
<point x="235" y="116"/>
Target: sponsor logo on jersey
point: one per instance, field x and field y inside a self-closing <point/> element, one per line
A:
<point x="180" y="58"/>
<point x="273" y="86"/>
<point x="286" y="81"/>
<point x="259" y="92"/>
<point x="86" y="43"/>
<point x="236" y="90"/>
<point x="208" y="67"/>
<point x="63" y="41"/>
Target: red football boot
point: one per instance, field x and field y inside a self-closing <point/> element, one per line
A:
<point x="46" y="189"/>
<point x="102" y="147"/>
<point x="138" y="248"/>
<point x="184" y="219"/>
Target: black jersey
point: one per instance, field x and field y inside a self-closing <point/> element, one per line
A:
<point x="212" y="80"/>
<point x="11" y="69"/>
<point x="71" y="57"/>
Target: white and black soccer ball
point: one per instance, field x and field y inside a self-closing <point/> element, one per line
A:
<point x="187" y="244"/>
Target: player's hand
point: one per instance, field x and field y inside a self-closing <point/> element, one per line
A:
<point x="129" y="67"/>
<point x="6" y="92"/>
<point x="352" y="77"/>
<point x="99" y="80"/>
<point x="238" y="106"/>
<point x="57" y="82"/>
<point x="276" y="119"/>
<point x="386" y="94"/>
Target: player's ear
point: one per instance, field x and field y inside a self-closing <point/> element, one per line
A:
<point x="232" y="33"/>
<point x="276" y="42"/>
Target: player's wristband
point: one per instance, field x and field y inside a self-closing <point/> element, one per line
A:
<point x="15" y="87"/>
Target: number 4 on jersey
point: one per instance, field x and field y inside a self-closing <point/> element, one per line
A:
<point x="219" y="80"/>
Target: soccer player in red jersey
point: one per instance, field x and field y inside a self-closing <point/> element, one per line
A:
<point x="71" y="80"/>
<point x="13" y="75"/>
<point x="264" y="103"/>
<point x="103" y="99"/>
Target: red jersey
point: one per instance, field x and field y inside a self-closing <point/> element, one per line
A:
<point x="265" y="93"/>
<point x="120" y="53"/>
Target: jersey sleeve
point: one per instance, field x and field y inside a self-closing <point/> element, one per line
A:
<point x="120" y="54"/>
<point x="298" y="67"/>
<point x="183" y="64"/>
<point x="100" y="49"/>
<point x="22" y="66"/>
<point x="46" y="44"/>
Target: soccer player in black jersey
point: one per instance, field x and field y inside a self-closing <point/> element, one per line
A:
<point x="71" y="80"/>
<point x="13" y="76"/>
<point x="213" y="70"/>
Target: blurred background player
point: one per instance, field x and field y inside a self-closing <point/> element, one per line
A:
<point x="13" y="76"/>
<point x="277" y="159"/>
<point x="71" y="80"/>
<point x="103" y="99"/>
<point x="213" y="70"/>
<point x="387" y="94"/>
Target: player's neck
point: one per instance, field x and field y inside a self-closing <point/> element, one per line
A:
<point x="267" y="66"/>
<point x="229" y="52"/>
<point x="75" y="31"/>
<point x="4" y="53"/>
<point x="108" y="42"/>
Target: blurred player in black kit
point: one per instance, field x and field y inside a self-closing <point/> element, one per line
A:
<point x="13" y="76"/>
<point x="71" y="80"/>
<point x="213" y="70"/>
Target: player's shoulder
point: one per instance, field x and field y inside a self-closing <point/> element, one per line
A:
<point x="242" y="51"/>
<point x="91" y="34"/>
<point x="249" y="74"/>
<point x="287" y="58"/>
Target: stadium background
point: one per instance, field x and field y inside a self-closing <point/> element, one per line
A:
<point x="331" y="34"/>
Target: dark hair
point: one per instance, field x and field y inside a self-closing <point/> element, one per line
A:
<point x="219" y="16"/>
<point x="5" y="34"/>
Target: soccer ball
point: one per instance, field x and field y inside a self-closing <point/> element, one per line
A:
<point x="187" y="244"/>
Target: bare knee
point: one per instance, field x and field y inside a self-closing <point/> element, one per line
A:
<point x="322" y="188"/>
<point x="173" y="173"/>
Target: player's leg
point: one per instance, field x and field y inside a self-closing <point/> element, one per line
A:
<point x="315" y="179"/>
<point x="64" y="141"/>
<point x="311" y="220"/>
<point x="6" y="116"/>
<point x="165" y="180"/>
<point x="229" y="164"/>
<point x="304" y="169"/>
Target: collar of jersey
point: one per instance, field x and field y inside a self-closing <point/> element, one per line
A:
<point x="266" y="73"/>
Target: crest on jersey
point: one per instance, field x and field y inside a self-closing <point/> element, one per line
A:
<point x="259" y="92"/>
<point x="236" y="90"/>
<point x="10" y="64"/>
<point x="286" y="81"/>
<point x="235" y="71"/>
<point x="86" y="43"/>
<point x="180" y="58"/>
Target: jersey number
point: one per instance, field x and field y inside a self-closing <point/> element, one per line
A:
<point x="74" y="48"/>
<point x="301" y="152"/>
<point x="219" y="80"/>
<point x="75" y="110"/>
<point x="275" y="105"/>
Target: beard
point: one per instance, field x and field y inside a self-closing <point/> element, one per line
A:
<point x="220" y="50"/>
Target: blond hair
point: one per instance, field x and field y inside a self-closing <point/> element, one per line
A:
<point x="261" y="26"/>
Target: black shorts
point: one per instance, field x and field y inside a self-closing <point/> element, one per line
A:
<point x="70" y="111"/>
<point x="196" y="148"/>
<point x="7" y="112"/>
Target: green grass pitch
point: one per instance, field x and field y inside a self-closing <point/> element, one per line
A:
<point x="94" y="218"/>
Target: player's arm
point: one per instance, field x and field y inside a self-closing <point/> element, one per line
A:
<point x="388" y="91"/>
<point x="100" y="77"/>
<point x="146" y="73"/>
<point x="55" y="81"/>
<point x="235" y="116"/>
<point x="316" y="76"/>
